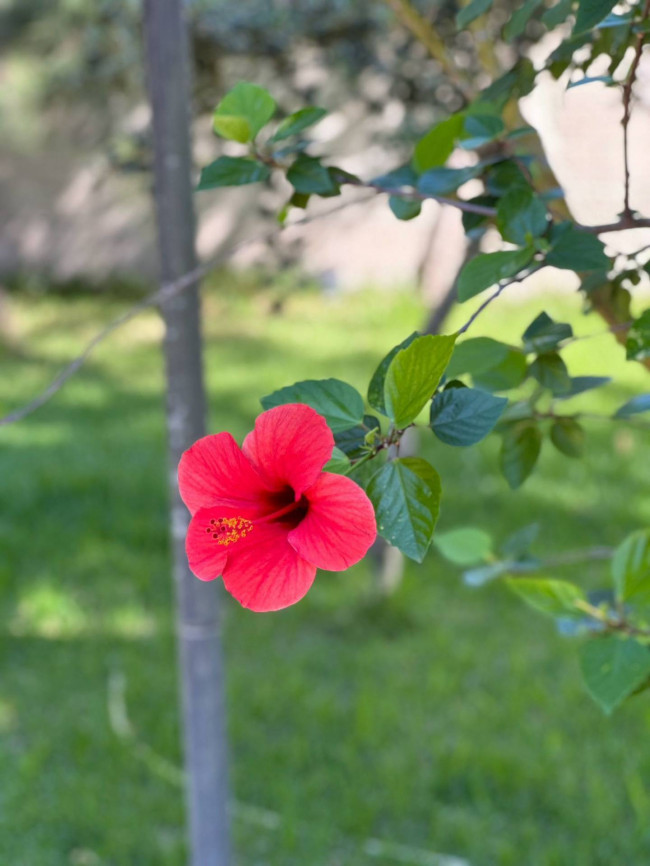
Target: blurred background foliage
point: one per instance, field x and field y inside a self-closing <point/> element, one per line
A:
<point x="73" y="113"/>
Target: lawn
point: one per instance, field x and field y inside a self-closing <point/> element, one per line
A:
<point x="441" y="719"/>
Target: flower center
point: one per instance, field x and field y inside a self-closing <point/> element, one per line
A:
<point x="228" y="530"/>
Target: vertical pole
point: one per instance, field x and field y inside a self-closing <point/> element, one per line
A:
<point x="200" y="658"/>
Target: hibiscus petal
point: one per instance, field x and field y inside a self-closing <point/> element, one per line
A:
<point x="264" y="572"/>
<point x="206" y="558"/>
<point x="289" y="446"/>
<point x="339" y="526"/>
<point x="214" y="471"/>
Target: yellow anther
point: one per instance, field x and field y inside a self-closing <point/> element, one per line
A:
<point x="230" y="529"/>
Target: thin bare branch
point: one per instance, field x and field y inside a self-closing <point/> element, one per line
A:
<point x="502" y="287"/>
<point x="626" y="222"/>
<point x="165" y="292"/>
<point x="416" y="195"/>
<point x="569" y="557"/>
<point x="627" y="107"/>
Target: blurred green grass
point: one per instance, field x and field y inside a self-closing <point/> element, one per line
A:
<point x="442" y="718"/>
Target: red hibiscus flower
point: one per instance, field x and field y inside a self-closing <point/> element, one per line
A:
<point x="265" y="516"/>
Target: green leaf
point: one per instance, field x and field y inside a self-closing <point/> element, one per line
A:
<point x="640" y="403"/>
<point x="437" y="145"/>
<point x="307" y="175"/>
<point x="339" y="176"/>
<point x="291" y="149"/>
<point x="520" y="450"/>
<point x="550" y="371"/>
<point x="521" y="216"/>
<point x="232" y="128"/>
<point x="523" y="132"/>
<point x="504" y="176"/>
<point x="400" y="177"/>
<point x="465" y="546"/>
<point x="568" y="437"/>
<point x="553" y="597"/>
<point x="580" y="384"/>
<point x="243" y="111"/>
<point x="406" y="496"/>
<point x="544" y="334"/>
<point x="376" y="386"/>
<point x="517" y="545"/>
<point x="473" y="10"/>
<point x="442" y="181"/>
<point x="298" y="122"/>
<point x="631" y="566"/>
<point x="339" y="463"/>
<point x="493" y="366"/>
<point x="363" y="473"/>
<point x="575" y="250"/>
<point x="477" y="355"/>
<point x="510" y="373"/>
<point x="474" y="221"/>
<point x="613" y="668"/>
<point x="352" y="441"/>
<point x="413" y="376"/>
<point x="340" y="404"/>
<point x="637" y="345"/>
<point x="557" y="14"/>
<point x="464" y="416"/>
<point x="232" y="171"/>
<point x="476" y="577"/>
<point x="519" y="19"/>
<point x="488" y="269"/>
<point x="591" y="13"/>
<point x="404" y="208"/>
<point x="518" y="81"/>
<point x="480" y="127"/>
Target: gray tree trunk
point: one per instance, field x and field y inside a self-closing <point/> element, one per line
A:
<point x="201" y="668"/>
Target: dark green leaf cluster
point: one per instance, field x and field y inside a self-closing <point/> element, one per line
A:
<point x="405" y="491"/>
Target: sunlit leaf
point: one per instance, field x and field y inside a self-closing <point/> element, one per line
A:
<point x="465" y="545"/>
<point x="553" y="597"/>
<point x="298" y="122"/>
<point x="243" y="111"/>
<point x="413" y="376"/>
<point x="631" y="566"/>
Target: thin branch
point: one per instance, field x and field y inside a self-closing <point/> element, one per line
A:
<point x="613" y="329"/>
<point x="164" y="293"/>
<point x="411" y="194"/>
<point x="629" y="221"/>
<point x="591" y="416"/>
<point x="639" y="252"/>
<point x="627" y="107"/>
<point x="416" y="195"/>
<point x="502" y="286"/>
<point x="620" y="625"/>
<point x="569" y="557"/>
